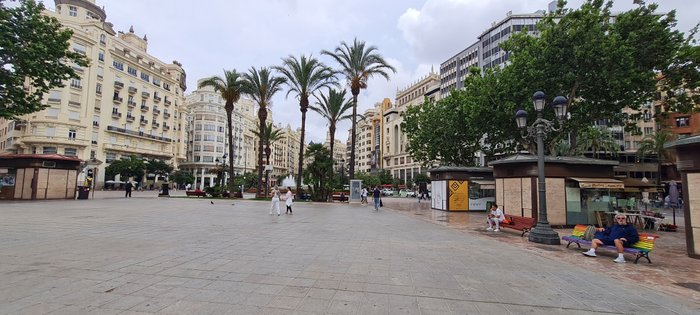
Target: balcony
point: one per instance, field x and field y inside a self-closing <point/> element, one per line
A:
<point x="138" y="134"/>
<point x="156" y="112"/>
<point x="156" y="99"/>
<point x="144" y="108"/>
<point x="155" y="125"/>
<point x="143" y="121"/>
<point x="132" y="90"/>
<point x="130" y="118"/>
<point x="118" y="85"/>
<point x="97" y="108"/>
<point x="166" y="127"/>
<point x="145" y="94"/>
<point x="166" y="115"/>
<point x="167" y="102"/>
<point x="116" y="114"/>
<point x="117" y="100"/>
<point x="95" y="123"/>
<point x="131" y="103"/>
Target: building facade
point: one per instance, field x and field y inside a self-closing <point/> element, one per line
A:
<point x="125" y="103"/>
<point x="396" y="158"/>
<point x="207" y="136"/>
<point x="285" y="155"/>
<point x="368" y="156"/>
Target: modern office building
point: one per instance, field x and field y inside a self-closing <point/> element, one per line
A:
<point x="485" y="52"/>
<point x="125" y="103"/>
<point x="396" y="158"/>
<point x="207" y="136"/>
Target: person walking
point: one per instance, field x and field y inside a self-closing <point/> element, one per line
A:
<point x="128" y="188"/>
<point x="376" y="194"/>
<point x="275" y="201"/>
<point x="288" y="201"/>
<point x="363" y="196"/>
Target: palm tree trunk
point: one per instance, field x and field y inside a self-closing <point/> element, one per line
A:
<point x="262" y="115"/>
<point x="267" y="173"/>
<point x="303" y="108"/>
<point x="229" y="113"/>
<point x="658" y="172"/>
<point x="353" y="136"/>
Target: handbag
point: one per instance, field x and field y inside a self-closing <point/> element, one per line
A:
<point x="381" y="204"/>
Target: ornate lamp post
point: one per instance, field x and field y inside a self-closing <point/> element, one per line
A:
<point x="542" y="232"/>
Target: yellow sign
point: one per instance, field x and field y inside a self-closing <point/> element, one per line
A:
<point x="601" y="185"/>
<point x="458" y="195"/>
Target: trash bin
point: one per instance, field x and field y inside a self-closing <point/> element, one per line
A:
<point x="83" y="192"/>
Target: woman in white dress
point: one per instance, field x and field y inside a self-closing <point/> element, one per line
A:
<point x="288" y="201"/>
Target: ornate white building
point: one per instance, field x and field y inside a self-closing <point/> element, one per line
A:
<point x="126" y="102"/>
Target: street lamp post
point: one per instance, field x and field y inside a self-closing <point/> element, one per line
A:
<point x="542" y="232"/>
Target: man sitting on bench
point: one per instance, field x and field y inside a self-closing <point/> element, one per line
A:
<point x="620" y="235"/>
<point x="495" y="217"/>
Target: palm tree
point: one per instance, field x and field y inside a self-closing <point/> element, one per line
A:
<point x="304" y="77"/>
<point x="358" y="63"/>
<point x="596" y="139"/>
<point x="261" y="85"/>
<point x="268" y="136"/>
<point x="230" y="88"/>
<point x="653" y="144"/>
<point x="333" y="108"/>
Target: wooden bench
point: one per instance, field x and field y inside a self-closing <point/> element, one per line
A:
<point x="639" y="249"/>
<point x="196" y="193"/>
<point x="519" y="223"/>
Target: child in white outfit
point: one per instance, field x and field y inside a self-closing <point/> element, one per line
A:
<point x="275" y="201"/>
<point x="495" y="217"/>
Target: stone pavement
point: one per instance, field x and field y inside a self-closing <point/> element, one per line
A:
<point x="149" y="255"/>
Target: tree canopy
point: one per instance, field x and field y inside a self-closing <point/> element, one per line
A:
<point x="34" y="58"/>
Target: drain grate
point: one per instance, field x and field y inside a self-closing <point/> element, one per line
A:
<point x="689" y="285"/>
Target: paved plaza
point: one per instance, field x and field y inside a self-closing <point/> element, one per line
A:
<point x="149" y="255"/>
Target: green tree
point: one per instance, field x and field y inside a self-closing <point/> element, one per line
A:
<point x="268" y="136"/>
<point x="595" y="139"/>
<point x="318" y="173"/>
<point x="333" y="108"/>
<point x="34" y="58"/>
<point x="261" y="85"/>
<point x="229" y="87"/>
<point x="600" y="64"/>
<point x="126" y="167"/>
<point x="183" y="178"/>
<point x="358" y="63"/>
<point x="304" y="77"/>
<point x="159" y="168"/>
<point x="654" y="145"/>
<point x="368" y="179"/>
<point x="385" y="177"/>
<point x="421" y="178"/>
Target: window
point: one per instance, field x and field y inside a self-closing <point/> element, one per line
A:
<point x="101" y="56"/>
<point x="110" y="157"/>
<point x="682" y="121"/>
<point x="52" y="112"/>
<point x="55" y="96"/>
<point x="103" y="39"/>
<point x="131" y="71"/>
<point x="648" y="130"/>
<point x="145" y="76"/>
<point x="118" y="65"/>
<point x="207" y="159"/>
<point x="70" y="152"/>
<point x="49" y="150"/>
<point x="72" y="11"/>
<point x="95" y="134"/>
<point x="75" y="83"/>
<point x="79" y="48"/>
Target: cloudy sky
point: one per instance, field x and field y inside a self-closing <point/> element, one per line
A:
<point x="208" y="36"/>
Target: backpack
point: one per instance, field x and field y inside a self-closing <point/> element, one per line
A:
<point x="589" y="233"/>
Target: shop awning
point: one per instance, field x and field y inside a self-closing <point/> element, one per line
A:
<point x="602" y="183"/>
<point x="632" y="189"/>
<point x="485" y="184"/>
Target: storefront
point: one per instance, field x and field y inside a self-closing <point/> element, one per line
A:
<point x="462" y="188"/>
<point x="576" y="187"/>
<point x="37" y="177"/>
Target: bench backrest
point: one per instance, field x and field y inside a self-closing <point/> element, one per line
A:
<point x="579" y="230"/>
<point x="517" y="220"/>
<point x="646" y="242"/>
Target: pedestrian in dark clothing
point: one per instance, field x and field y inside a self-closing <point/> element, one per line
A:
<point x="128" y="187"/>
<point x="376" y="194"/>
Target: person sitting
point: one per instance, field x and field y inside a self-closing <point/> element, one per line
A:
<point x="495" y="217"/>
<point x="620" y="235"/>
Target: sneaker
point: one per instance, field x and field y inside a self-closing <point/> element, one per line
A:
<point x="589" y="254"/>
<point x="619" y="260"/>
<point x="489" y="229"/>
<point x="496" y="230"/>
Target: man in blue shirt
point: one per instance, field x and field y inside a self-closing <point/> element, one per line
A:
<point x="620" y="235"/>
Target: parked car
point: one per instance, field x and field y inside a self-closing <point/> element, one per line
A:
<point x="407" y="193"/>
<point x="387" y="192"/>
